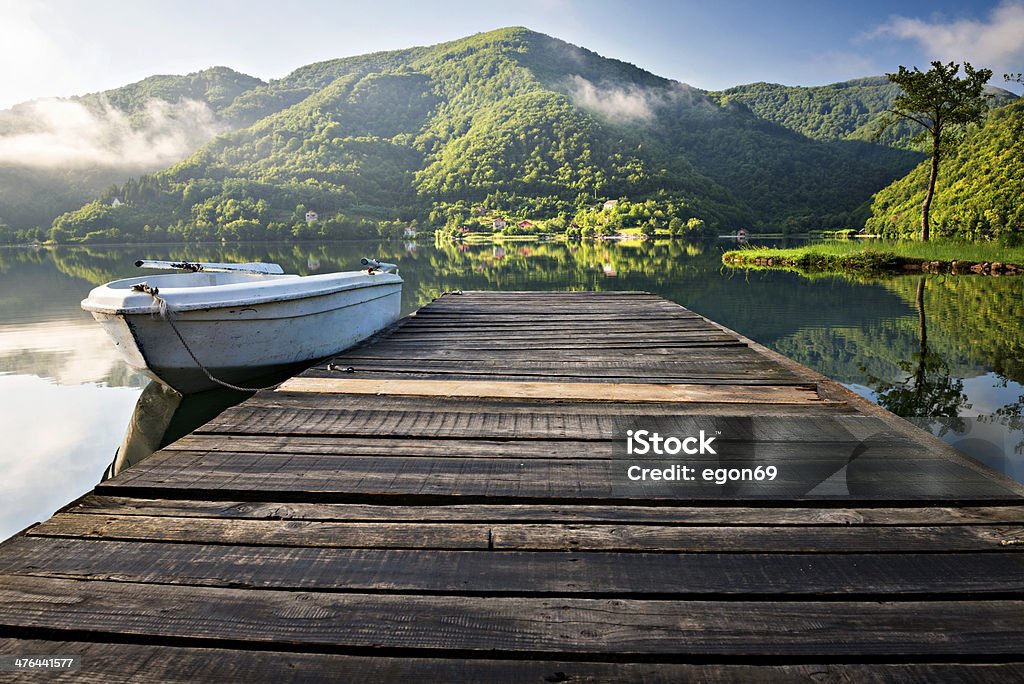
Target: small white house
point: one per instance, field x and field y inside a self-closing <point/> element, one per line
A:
<point x="312" y="216"/>
<point x="499" y="224"/>
<point x="410" y="232"/>
<point x="610" y="204"/>
<point x="116" y="202"/>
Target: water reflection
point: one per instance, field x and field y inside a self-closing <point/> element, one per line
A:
<point x="68" y="352"/>
<point x="57" y="440"/>
<point x="162" y="416"/>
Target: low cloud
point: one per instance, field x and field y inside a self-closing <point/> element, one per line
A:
<point x="58" y="133"/>
<point x="996" y="41"/>
<point x="630" y="104"/>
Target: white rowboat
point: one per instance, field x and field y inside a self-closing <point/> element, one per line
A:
<point x="240" y="321"/>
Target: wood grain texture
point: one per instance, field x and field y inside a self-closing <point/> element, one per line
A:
<point x="523" y="573"/>
<point x="687" y="514"/>
<point x="564" y="391"/>
<point x="446" y="625"/>
<point x="893" y="473"/>
<point x="538" y="536"/>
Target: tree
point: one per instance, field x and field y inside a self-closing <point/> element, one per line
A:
<point x="943" y="105"/>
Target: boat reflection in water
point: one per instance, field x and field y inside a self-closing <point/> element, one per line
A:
<point x="163" y="416"/>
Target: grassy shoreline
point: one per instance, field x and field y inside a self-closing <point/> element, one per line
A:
<point x="885" y="257"/>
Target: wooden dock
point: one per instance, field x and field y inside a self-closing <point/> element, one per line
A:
<point x="449" y="503"/>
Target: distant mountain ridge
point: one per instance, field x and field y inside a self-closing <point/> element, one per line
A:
<point x="217" y="87"/>
<point x="512" y="120"/>
<point x="849" y="110"/>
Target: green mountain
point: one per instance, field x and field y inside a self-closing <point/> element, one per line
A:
<point x="56" y="154"/>
<point x="979" y="189"/>
<point x="850" y="110"/>
<point x="217" y="87"/>
<point x="510" y="120"/>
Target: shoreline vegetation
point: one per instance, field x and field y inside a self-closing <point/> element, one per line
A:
<point x="884" y="256"/>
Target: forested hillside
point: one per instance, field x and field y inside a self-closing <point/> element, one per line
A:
<point x="511" y="120"/>
<point x="979" y="190"/>
<point x="841" y="111"/>
<point x="56" y="154"/>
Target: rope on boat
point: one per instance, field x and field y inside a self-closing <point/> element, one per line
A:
<point x="165" y="312"/>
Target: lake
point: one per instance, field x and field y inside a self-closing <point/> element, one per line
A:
<point x="947" y="352"/>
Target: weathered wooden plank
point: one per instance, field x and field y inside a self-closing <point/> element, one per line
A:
<point x="564" y="363"/>
<point x="516" y="303"/>
<point x="565" y="320"/>
<point x="526" y="627"/>
<point x="499" y="340"/>
<point x="596" y="353"/>
<point x="640" y="367"/>
<point x="256" y="418"/>
<point x="592" y="294"/>
<point x="339" y="368"/>
<point x="315" y="447"/>
<point x="518" y="573"/>
<point x="537" y="537"/>
<point x="593" y="330"/>
<point x="522" y="313"/>
<point x="539" y="310"/>
<point x="737" y="379"/>
<point x="617" y="368"/>
<point x="139" y="664"/>
<point x="798" y="463"/>
<point x="598" y="415"/>
<point x="835" y="454"/>
<point x="588" y="294"/>
<point x="481" y="448"/>
<point x="879" y="474"/>
<point x="533" y="302"/>
<point x="732" y="354"/>
<point x="563" y="391"/>
<point x="503" y="479"/>
<point x="680" y="515"/>
<point x="547" y="347"/>
<point x="267" y="532"/>
<point x="659" y="321"/>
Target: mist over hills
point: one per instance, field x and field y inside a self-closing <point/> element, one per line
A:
<point x="58" y="153"/>
<point x="511" y="120"/>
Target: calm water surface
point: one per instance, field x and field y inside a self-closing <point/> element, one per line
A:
<point x="66" y="398"/>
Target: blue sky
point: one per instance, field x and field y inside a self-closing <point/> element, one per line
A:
<point x="66" y="47"/>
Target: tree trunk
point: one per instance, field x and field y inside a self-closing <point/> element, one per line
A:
<point x="922" y="324"/>
<point x="922" y="370"/>
<point x="926" y="207"/>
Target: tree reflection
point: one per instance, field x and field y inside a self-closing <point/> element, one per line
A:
<point x="929" y="388"/>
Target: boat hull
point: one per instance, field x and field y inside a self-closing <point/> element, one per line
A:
<point x="250" y="339"/>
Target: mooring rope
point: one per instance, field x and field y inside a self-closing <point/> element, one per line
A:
<point x="165" y="312"/>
